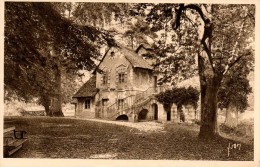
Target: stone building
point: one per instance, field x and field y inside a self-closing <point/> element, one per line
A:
<point x="123" y="86"/>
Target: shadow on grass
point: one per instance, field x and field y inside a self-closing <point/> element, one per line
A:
<point x="71" y="138"/>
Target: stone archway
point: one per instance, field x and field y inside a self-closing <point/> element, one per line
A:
<point x="122" y="118"/>
<point x="155" y="111"/>
<point x="143" y="114"/>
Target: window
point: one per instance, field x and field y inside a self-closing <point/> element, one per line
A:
<point x="104" y="102"/>
<point x="105" y="78"/>
<point x="112" y="54"/>
<point x="87" y="104"/>
<point x="120" y="103"/>
<point x="121" y="77"/>
<point x="121" y="74"/>
<point x="155" y="81"/>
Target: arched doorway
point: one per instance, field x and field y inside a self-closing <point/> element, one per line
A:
<point x="169" y="116"/>
<point x="143" y="114"/>
<point x="155" y="111"/>
<point x="122" y="118"/>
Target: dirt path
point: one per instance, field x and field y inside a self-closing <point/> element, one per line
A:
<point x="141" y="126"/>
<point x="100" y="139"/>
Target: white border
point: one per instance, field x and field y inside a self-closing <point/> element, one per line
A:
<point x="138" y="163"/>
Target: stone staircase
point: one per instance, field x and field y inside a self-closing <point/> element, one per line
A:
<point x="132" y="102"/>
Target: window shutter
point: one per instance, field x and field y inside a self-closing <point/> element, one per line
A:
<point x="101" y="80"/>
<point x="117" y="105"/>
<point x="117" y="77"/>
<point x="125" y="76"/>
<point x="125" y="103"/>
<point x="108" y="78"/>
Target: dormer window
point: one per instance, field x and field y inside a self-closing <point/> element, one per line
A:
<point x="121" y="74"/>
<point x="112" y="54"/>
<point x="105" y="79"/>
<point x="121" y="77"/>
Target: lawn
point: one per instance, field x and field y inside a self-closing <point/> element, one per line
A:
<point x="83" y="139"/>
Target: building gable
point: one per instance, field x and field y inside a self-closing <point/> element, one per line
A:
<point x="113" y="53"/>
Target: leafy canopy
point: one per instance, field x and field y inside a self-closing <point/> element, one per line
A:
<point x="37" y="39"/>
<point x="179" y="96"/>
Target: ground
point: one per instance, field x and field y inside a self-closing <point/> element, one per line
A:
<point x="90" y="139"/>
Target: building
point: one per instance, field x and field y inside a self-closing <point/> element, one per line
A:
<point x="123" y="86"/>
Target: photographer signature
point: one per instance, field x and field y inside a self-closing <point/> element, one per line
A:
<point x="234" y="146"/>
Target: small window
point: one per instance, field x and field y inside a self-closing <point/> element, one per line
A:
<point x="121" y="77"/>
<point x="87" y="104"/>
<point x="104" y="102"/>
<point x="105" y="78"/>
<point x="112" y="54"/>
<point x="120" y="103"/>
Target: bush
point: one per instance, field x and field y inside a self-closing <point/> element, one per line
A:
<point x="196" y="121"/>
<point x="243" y="129"/>
<point x="33" y="113"/>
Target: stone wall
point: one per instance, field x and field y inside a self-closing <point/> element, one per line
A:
<point x="81" y="112"/>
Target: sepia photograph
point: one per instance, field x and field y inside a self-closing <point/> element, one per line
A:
<point x="137" y="81"/>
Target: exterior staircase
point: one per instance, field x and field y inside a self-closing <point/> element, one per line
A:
<point x="132" y="102"/>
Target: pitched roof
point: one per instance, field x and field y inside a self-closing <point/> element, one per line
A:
<point x="88" y="89"/>
<point x="131" y="56"/>
<point x="145" y="46"/>
<point x="135" y="59"/>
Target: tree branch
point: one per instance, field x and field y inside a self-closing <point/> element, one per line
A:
<point x="207" y="28"/>
<point x="193" y="24"/>
<point x="190" y="6"/>
<point x="207" y="50"/>
<point x="178" y="17"/>
<point x="198" y="9"/>
<point x="229" y="66"/>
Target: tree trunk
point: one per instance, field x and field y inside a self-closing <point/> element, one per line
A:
<point x="47" y="110"/>
<point x="56" y="103"/>
<point x="209" y="92"/>
<point x="209" y="85"/>
<point x="231" y="116"/>
<point x="45" y="102"/>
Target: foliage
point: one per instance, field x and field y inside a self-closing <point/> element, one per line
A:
<point x="38" y="42"/>
<point x="165" y="97"/>
<point x="235" y="88"/>
<point x="100" y="14"/>
<point x="138" y="32"/>
<point x="244" y="129"/>
<point x="179" y="96"/>
<point x="220" y="38"/>
<point x="175" y="49"/>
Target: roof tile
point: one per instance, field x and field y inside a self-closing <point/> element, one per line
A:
<point x="88" y="89"/>
<point x="135" y="59"/>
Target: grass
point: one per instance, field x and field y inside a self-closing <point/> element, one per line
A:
<point x="244" y="131"/>
<point x="71" y="138"/>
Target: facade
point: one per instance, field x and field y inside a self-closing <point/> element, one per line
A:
<point x="122" y="87"/>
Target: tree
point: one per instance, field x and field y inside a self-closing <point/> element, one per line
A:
<point x="233" y="93"/>
<point x="179" y="96"/>
<point x="40" y="45"/>
<point x="224" y="39"/>
<point x="166" y="98"/>
<point x="100" y="14"/>
<point x="138" y="32"/>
